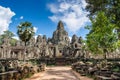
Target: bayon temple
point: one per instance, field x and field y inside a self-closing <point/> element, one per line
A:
<point x="57" y="46"/>
<point x="42" y="47"/>
<point x="19" y="61"/>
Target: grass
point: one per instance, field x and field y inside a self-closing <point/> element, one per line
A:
<point x="116" y="69"/>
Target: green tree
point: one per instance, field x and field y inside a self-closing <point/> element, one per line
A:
<point x="25" y="31"/>
<point x="8" y="34"/>
<point x="95" y="6"/>
<point x="110" y="7"/>
<point x="102" y="37"/>
<point x="13" y="42"/>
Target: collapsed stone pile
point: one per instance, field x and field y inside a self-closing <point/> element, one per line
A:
<point x="23" y="70"/>
<point x="99" y="70"/>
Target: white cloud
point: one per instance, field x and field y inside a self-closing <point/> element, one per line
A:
<point x="70" y="38"/>
<point x="35" y="29"/>
<point x="54" y="18"/>
<point x="72" y="13"/>
<point x="21" y="17"/>
<point x="5" y="18"/>
<point x="41" y="34"/>
<point x="52" y="8"/>
<point x="16" y="37"/>
<point x="35" y="36"/>
<point x="64" y="6"/>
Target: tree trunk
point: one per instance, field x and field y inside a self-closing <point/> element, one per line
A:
<point x="105" y="56"/>
<point x="25" y="52"/>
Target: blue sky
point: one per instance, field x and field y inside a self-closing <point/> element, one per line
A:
<point x="44" y="15"/>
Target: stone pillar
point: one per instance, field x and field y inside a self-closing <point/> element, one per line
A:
<point x="2" y="53"/>
<point x="13" y="55"/>
<point x="56" y="51"/>
<point x="9" y="53"/>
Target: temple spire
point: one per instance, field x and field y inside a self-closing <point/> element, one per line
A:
<point x="60" y="25"/>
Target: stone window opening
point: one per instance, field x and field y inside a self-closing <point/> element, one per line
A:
<point x="76" y="45"/>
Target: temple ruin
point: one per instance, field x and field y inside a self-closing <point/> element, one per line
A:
<point x="42" y="47"/>
<point x="57" y="46"/>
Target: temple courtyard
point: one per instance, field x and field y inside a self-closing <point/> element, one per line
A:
<point x="58" y="73"/>
<point x="28" y="61"/>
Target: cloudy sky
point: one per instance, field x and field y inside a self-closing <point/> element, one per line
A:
<point x="44" y="15"/>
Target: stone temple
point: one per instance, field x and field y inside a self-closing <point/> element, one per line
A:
<point x="57" y="46"/>
<point x="60" y="39"/>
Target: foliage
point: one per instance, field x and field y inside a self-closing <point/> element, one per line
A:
<point x="96" y="5"/>
<point x="102" y="37"/>
<point x="8" y="34"/>
<point x="13" y="42"/>
<point x="116" y="69"/>
<point x="25" y="31"/>
<point x="110" y="7"/>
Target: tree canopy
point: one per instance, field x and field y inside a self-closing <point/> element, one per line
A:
<point x="111" y="8"/>
<point x="102" y="37"/>
<point x="25" y="31"/>
<point x="8" y="34"/>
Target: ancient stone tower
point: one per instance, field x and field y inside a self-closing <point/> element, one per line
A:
<point x="60" y="38"/>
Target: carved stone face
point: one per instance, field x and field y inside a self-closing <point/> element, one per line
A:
<point x="60" y="26"/>
<point x="60" y="35"/>
<point x="74" y="38"/>
<point x="39" y="38"/>
<point x="80" y="40"/>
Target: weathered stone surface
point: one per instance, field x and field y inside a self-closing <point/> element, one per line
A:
<point x="76" y="46"/>
<point x="60" y="36"/>
<point x="60" y="39"/>
<point x="57" y="46"/>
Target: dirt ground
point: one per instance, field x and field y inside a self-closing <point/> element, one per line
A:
<point x="58" y="73"/>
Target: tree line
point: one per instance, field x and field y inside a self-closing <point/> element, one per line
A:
<point x="104" y="31"/>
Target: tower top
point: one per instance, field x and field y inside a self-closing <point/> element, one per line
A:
<point x="60" y="25"/>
